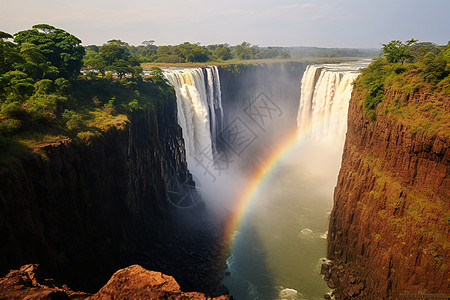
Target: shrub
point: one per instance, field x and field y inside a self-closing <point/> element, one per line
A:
<point x="433" y="67"/>
<point x="46" y="104"/>
<point x="109" y="107"/>
<point x="372" y="80"/>
<point x="16" y="86"/>
<point x="9" y="126"/>
<point x="14" y="110"/>
<point x="134" y="105"/>
<point x="74" y="121"/>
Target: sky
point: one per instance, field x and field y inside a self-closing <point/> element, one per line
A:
<point x="319" y="23"/>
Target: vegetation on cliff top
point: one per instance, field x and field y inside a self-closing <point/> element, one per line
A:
<point x="44" y="98"/>
<point x="190" y="53"/>
<point x="406" y="69"/>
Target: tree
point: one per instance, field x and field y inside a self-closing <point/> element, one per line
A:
<point x="111" y="53"/>
<point x="396" y="51"/>
<point x="116" y="57"/>
<point x="94" y="60"/>
<point x="15" y="86"/>
<point x="136" y="71"/>
<point x="93" y="48"/>
<point x="34" y="63"/>
<point x="60" y="48"/>
<point x="5" y="35"/>
<point x="419" y="50"/>
<point x="157" y="74"/>
<point x="222" y="52"/>
<point x="118" y="43"/>
<point x="243" y="51"/>
<point x="149" y="44"/>
<point x="121" y="68"/>
<point x="9" y="53"/>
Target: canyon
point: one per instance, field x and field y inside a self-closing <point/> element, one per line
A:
<point x="93" y="208"/>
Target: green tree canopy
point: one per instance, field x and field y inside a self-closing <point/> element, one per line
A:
<point x="60" y="48"/>
<point x="113" y="56"/>
<point x="397" y="51"/>
<point x="9" y="53"/>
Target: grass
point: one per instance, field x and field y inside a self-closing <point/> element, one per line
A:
<point x="432" y="118"/>
<point x="409" y="214"/>
<point x="393" y="90"/>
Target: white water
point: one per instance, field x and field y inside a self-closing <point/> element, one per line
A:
<point x="200" y="112"/>
<point x="278" y="252"/>
<point x="325" y="94"/>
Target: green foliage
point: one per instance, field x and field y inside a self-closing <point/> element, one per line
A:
<point x="244" y="51"/>
<point x="9" y="53"/>
<point x="15" y="86"/>
<point x="11" y="118"/>
<point x="111" y="53"/>
<point x="115" y="57"/>
<point x="192" y="52"/>
<point x="407" y="67"/>
<point x="42" y="99"/>
<point x="48" y="97"/>
<point x="222" y="52"/>
<point x="372" y="80"/>
<point x="61" y="49"/>
<point x="74" y="121"/>
<point x="134" y="105"/>
<point x="93" y="60"/>
<point x="396" y="51"/>
<point x="157" y="74"/>
<point x="188" y="52"/>
<point x="419" y="50"/>
<point x="137" y="71"/>
<point x="34" y="73"/>
<point x="170" y="58"/>
<point x="433" y="67"/>
<point x="121" y="68"/>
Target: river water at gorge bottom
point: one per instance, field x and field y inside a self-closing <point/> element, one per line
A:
<point x="278" y="250"/>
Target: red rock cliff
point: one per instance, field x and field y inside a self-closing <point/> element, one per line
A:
<point x="389" y="228"/>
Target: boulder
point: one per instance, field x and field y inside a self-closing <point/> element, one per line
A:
<point x="133" y="282"/>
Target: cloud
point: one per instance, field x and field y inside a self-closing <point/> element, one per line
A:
<point x="307" y="5"/>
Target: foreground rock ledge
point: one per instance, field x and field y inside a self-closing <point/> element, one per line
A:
<point x="133" y="282"/>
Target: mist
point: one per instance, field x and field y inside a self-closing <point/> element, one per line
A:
<point x="233" y="121"/>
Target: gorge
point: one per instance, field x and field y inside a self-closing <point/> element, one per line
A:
<point x="265" y="245"/>
<point x="264" y="145"/>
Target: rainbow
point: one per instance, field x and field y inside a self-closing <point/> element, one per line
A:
<point x="259" y="178"/>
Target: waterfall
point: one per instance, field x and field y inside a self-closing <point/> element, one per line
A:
<point x="215" y="103"/>
<point x="200" y="112"/>
<point x="325" y="94"/>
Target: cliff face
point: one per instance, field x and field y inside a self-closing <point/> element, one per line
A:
<point x="389" y="228"/>
<point x="81" y="207"/>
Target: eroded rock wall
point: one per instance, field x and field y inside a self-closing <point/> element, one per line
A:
<point x="80" y="207"/>
<point x="389" y="228"/>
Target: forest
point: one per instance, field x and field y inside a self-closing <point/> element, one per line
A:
<point x="43" y="95"/>
<point x="147" y="52"/>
